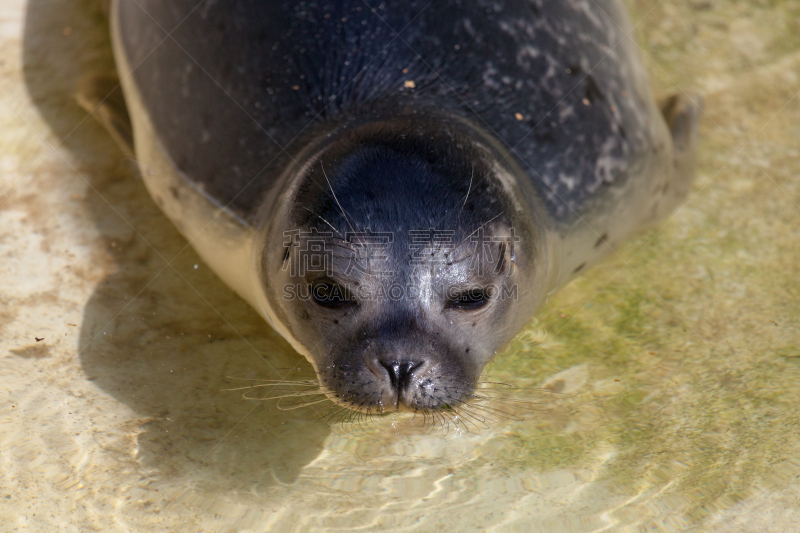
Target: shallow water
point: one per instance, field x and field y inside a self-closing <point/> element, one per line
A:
<point x="663" y="382"/>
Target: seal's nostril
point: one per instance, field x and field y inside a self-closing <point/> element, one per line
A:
<point x="399" y="372"/>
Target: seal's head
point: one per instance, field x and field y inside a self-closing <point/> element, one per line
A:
<point x="403" y="257"/>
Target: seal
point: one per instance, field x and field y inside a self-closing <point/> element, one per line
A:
<point x="396" y="187"/>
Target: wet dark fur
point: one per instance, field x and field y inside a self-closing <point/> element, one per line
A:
<point x="282" y="73"/>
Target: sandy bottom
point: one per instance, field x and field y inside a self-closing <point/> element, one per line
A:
<point x="676" y="361"/>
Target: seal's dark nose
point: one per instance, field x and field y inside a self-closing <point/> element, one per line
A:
<point x="399" y="372"/>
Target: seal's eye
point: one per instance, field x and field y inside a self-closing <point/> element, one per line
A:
<point x="331" y="295"/>
<point x="469" y="300"/>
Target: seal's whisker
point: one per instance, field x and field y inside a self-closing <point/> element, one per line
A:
<point x="485" y="409"/>
<point x="328" y="417"/>
<point x="503" y="397"/>
<point x="343" y="419"/>
<point x="469" y="189"/>
<point x="341" y="416"/>
<point x="541" y="400"/>
<point x="506" y="414"/>
<point x="322" y="166"/>
<point x="294" y="395"/>
<point x="325" y="221"/>
<point x="516" y="390"/>
<point x="505" y="390"/>
<point x="476" y="230"/>
<point x="456" y="417"/>
<point x="289" y="384"/>
<point x="430" y="419"/>
<point x="369" y="418"/>
<point x="249" y="396"/>
<point x="500" y="391"/>
<point x="482" y="384"/>
<point x="295" y="392"/>
<point x="510" y="407"/>
<point x="476" y="409"/>
<point x="467" y="423"/>
<point x="275" y="380"/>
<point x="248" y="387"/>
<point x="506" y="399"/>
<point x="316" y="415"/>
<point x="486" y="415"/>
<point x="299" y="405"/>
<point x="310" y="413"/>
<point x="360" y="420"/>
<point x="485" y="418"/>
<point x="471" y="417"/>
<point x="424" y="413"/>
<point x="350" y="416"/>
<point x="245" y="379"/>
<point x="490" y="414"/>
<point x="440" y="416"/>
<point x="301" y="381"/>
<point x="440" y="246"/>
<point x="461" y="422"/>
<point x="302" y="405"/>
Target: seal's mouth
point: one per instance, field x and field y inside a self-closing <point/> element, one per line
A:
<point x="393" y="386"/>
<point x="400" y="379"/>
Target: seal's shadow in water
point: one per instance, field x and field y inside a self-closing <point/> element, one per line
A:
<point x="162" y="340"/>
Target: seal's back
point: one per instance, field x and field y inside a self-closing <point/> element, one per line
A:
<point x="235" y="89"/>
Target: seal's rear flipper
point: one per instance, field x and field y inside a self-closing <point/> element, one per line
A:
<point x="682" y="113"/>
<point x="101" y="97"/>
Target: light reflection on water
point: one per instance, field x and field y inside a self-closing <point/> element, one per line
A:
<point x="664" y="379"/>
